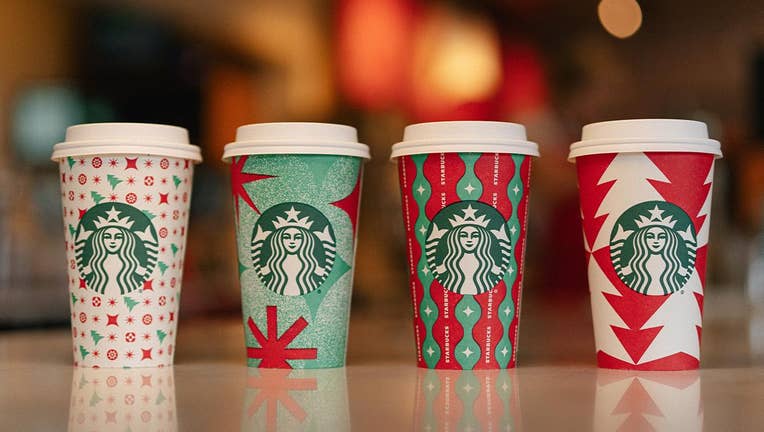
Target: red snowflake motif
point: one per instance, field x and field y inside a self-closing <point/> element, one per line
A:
<point x="131" y="198"/>
<point x="147" y="198"/>
<point x="148" y="163"/>
<point x="161" y="351"/>
<point x="112" y="302"/>
<point x="83" y="317"/>
<point x="169" y="349"/>
<point x="82" y="300"/>
<point x="164" y="164"/>
<point x="95" y="318"/>
<point x="162" y="300"/>
<point x="147" y="319"/>
<point x="112" y="337"/>
<point x="130" y="337"/>
<point x="177" y="164"/>
<point x="185" y="196"/>
<point x="161" y="318"/>
<point x="131" y="181"/>
<point x="147" y="301"/>
<point x="96" y="353"/>
<point x="82" y="179"/>
<point x="146" y="336"/>
<point x="112" y="354"/>
<point x="96" y="162"/>
<point x="96" y="180"/>
<point x="113" y="163"/>
<point x="82" y="334"/>
<point x="162" y="215"/>
<point x="175" y="198"/>
<point x="161" y="283"/>
<point x="96" y="301"/>
<point x="74" y="332"/>
<point x="164" y="180"/>
<point x="175" y="232"/>
<point x="163" y="233"/>
<point x="82" y="197"/>
<point x="274" y="350"/>
<point x="113" y="197"/>
<point x="82" y="161"/>
<point x="71" y="195"/>
<point x="130" y="320"/>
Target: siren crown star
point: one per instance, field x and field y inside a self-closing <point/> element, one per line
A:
<point x="656" y="218"/>
<point x="469" y="218"/>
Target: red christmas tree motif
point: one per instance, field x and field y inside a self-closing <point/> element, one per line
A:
<point x="274" y="387"/>
<point x="633" y="308"/>
<point x="273" y="350"/>
<point x="592" y="195"/>
<point x="636" y="402"/>
<point x="239" y="179"/>
<point x="349" y="204"/>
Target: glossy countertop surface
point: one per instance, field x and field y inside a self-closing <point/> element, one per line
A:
<point x="557" y="386"/>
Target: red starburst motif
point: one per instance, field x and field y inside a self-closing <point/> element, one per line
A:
<point x="148" y="163"/>
<point x="113" y="197"/>
<point x="113" y="163"/>
<point x="274" y="350"/>
<point x="147" y="198"/>
<point x="129" y="355"/>
<point x="112" y="302"/>
<point x="130" y="319"/>
<point x="239" y="179"/>
<point x="96" y="180"/>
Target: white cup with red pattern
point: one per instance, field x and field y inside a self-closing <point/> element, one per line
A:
<point x="125" y="191"/>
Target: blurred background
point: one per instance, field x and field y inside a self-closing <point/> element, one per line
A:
<point x="379" y="65"/>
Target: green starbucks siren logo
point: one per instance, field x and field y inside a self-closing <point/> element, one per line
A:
<point x="467" y="247"/>
<point x="653" y="247"/>
<point x="115" y="248"/>
<point x="293" y="248"/>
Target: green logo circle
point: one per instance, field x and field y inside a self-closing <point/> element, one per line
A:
<point x="293" y="248"/>
<point x="468" y="248"/>
<point x="115" y="248"/>
<point x="652" y="247"/>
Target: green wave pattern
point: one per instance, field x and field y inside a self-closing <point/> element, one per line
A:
<point x="507" y="308"/>
<point x="468" y="311"/>
<point x="428" y="311"/>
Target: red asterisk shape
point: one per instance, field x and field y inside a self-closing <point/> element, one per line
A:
<point x="239" y="179"/>
<point x="273" y="350"/>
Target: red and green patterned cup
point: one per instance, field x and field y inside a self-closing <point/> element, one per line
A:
<point x="125" y="189"/>
<point x="296" y="190"/>
<point x="464" y="187"/>
<point x="645" y="188"/>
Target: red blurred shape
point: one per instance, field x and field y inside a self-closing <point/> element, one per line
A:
<point x="525" y="86"/>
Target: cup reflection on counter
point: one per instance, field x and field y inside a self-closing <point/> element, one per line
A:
<point x="301" y="399"/>
<point x="123" y="399"/>
<point x="654" y="401"/>
<point x="467" y="400"/>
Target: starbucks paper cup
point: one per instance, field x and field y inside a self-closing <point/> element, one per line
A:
<point x="467" y="400"/>
<point x="654" y="401"/>
<point x="310" y="400"/>
<point x="296" y="190"/>
<point x="123" y="399"/>
<point x="645" y="188"/>
<point x="125" y="189"/>
<point x="464" y="187"/>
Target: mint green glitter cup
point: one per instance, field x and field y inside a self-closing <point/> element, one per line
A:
<point x="296" y="190"/>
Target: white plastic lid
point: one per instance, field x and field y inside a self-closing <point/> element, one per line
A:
<point x="645" y="135"/>
<point x="296" y="138"/>
<point x="464" y="137"/>
<point x="126" y="138"/>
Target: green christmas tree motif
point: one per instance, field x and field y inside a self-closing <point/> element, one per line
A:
<point x="72" y="230"/>
<point x="149" y="214"/>
<point x="96" y="336"/>
<point x="174" y="249"/>
<point x="130" y="303"/>
<point x="242" y="268"/>
<point x="161" y="335"/>
<point x="74" y="299"/>
<point x="177" y="181"/>
<point x="162" y="267"/>
<point x="95" y="399"/>
<point x="113" y="180"/>
<point x="97" y="198"/>
<point x="160" y="398"/>
<point x="83" y="352"/>
<point x="71" y="161"/>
